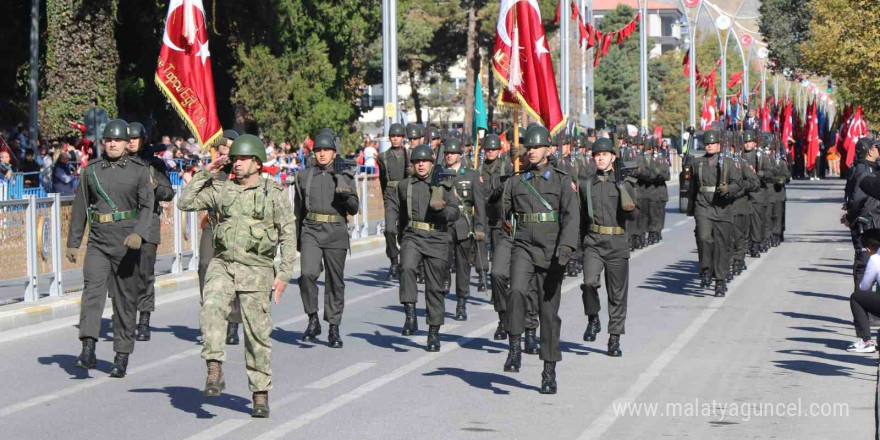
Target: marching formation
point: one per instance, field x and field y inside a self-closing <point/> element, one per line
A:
<point x="522" y="211"/>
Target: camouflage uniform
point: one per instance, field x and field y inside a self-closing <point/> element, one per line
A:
<point x="254" y="221"/>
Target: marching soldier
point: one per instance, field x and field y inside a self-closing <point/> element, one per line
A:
<point x="424" y="212"/>
<point x="115" y="198"/>
<point x="469" y="231"/>
<point x="394" y="167"/>
<point x="255" y="220"/>
<point x="323" y="201"/>
<point x="658" y="168"/>
<point x="758" y="163"/>
<point x="574" y="168"/>
<point x="415" y="133"/>
<point x="209" y="224"/>
<point x="709" y="201"/>
<point x="545" y="207"/>
<point x="781" y="177"/>
<point x="741" y="208"/>
<point x="467" y="154"/>
<point x="646" y="197"/>
<point x="605" y="207"/>
<point x="162" y="192"/>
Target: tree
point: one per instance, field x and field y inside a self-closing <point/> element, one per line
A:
<point x="81" y="62"/>
<point x="785" y="24"/>
<point x="843" y="45"/>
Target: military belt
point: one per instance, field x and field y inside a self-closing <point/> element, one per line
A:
<point x="607" y="230"/>
<point x="422" y="226"/>
<point x="707" y="189"/>
<point x="540" y="217"/>
<point x="325" y="218"/>
<point x="114" y="216"/>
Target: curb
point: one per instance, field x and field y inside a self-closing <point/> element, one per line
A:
<point x="21" y="314"/>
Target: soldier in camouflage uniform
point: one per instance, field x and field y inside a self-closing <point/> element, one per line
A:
<point x="255" y="220"/>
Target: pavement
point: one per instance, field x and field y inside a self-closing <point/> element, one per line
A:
<point x="767" y="361"/>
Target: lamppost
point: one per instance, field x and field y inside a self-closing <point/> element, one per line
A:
<point x="643" y="66"/>
<point x="389" y="68"/>
<point x="692" y="12"/>
<point x="564" y="59"/>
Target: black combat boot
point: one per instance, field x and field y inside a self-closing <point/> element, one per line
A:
<point x="433" y="338"/>
<point x="594" y="326"/>
<point x="533" y="344"/>
<point x="313" y="329"/>
<point x="461" y="310"/>
<point x="120" y="364"/>
<point x="215" y="383"/>
<point x="481" y="282"/>
<point x="393" y="272"/>
<point x="742" y="266"/>
<point x="753" y="251"/>
<point x="232" y="333"/>
<point x="500" y="332"/>
<point x="142" y="331"/>
<point x="261" y="405"/>
<point x="548" y="378"/>
<point x="705" y="281"/>
<point x="729" y="276"/>
<point x="514" y="354"/>
<point x="720" y="288"/>
<point x="87" y="359"/>
<point x="333" y="338"/>
<point x="614" y="346"/>
<point x="411" y="324"/>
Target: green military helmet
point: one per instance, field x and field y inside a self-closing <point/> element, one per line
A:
<point x="537" y="136"/>
<point x="452" y="145"/>
<point x="579" y="142"/>
<point x="248" y="145"/>
<point x="137" y="130"/>
<point x="491" y="142"/>
<point x="116" y="129"/>
<point x="433" y="133"/>
<point x="588" y="144"/>
<point x="396" y="129"/>
<point x="602" y="145"/>
<point x="468" y="140"/>
<point x="750" y="136"/>
<point x="326" y="130"/>
<point x="414" y="131"/>
<point x="711" y="137"/>
<point x="230" y="134"/>
<point x="325" y="141"/>
<point x="445" y="134"/>
<point x="422" y="152"/>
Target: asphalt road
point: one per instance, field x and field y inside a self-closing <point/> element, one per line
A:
<point x="767" y="361"/>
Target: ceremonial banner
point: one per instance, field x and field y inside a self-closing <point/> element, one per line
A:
<point x="184" y="72"/>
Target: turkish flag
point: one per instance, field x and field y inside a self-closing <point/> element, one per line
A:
<point x="787" y="126"/>
<point x="184" y="72"/>
<point x="521" y="62"/>
<point x="856" y="130"/>
<point x="812" y="136"/>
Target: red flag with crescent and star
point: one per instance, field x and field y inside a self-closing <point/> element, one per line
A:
<point x="521" y="62"/>
<point x="184" y="72"/>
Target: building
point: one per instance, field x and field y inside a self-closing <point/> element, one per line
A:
<point x="664" y="21"/>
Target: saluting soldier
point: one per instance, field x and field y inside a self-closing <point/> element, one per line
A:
<point x="606" y="205"/>
<point x="759" y="163"/>
<point x="710" y="202"/>
<point x="469" y="231"/>
<point x="209" y="224"/>
<point x="544" y="203"/>
<point x="255" y="221"/>
<point x="323" y="201"/>
<point x="138" y="149"/>
<point x="393" y="167"/>
<point x="115" y="198"/>
<point x="424" y="212"/>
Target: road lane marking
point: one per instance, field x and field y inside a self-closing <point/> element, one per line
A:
<point x="600" y="425"/>
<point x="679" y="223"/>
<point x="340" y="375"/>
<point x="221" y="429"/>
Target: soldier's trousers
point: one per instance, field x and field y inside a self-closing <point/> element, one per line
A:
<point x="757" y="220"/>
<point x="311" y="255"/>
<point x="436" y="271"/>
<point x="712" y="237"/>
<point x="657" y="216"/>
<point x="462" y="252"/>
<point x="740" y="237"/>
<point x="616" y="283"/>
<point x="146" y="286"/>
<point x="501" y="247"/>
<point x="778" y="218"/>
<point x="392" y="240"/>
<point x="103" y="273"/>
<point x="532" y="283"/>
<point x="646" y="206"/>
<point x="206" y="254"/>
<point x="220" y="294"/>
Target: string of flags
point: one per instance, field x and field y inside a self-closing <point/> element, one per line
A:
<point x="591" y="37"/>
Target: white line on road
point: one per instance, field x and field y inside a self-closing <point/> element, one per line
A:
<point x="340" y="375"/>
<point x="228" y="426"/>
<point x="601" y="424"/>
<point x="681" y="222"/>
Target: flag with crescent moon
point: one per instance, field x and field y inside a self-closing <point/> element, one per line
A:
<point x="184" y="73"/>
<point x="521" y="62"/>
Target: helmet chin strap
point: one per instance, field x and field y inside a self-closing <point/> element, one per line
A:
<point x="250" y="171"/>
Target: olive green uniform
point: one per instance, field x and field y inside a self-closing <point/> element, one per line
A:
<point x="162" y="192"/>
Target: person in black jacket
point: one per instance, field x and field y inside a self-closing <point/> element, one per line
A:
<point x="854" y="216"/>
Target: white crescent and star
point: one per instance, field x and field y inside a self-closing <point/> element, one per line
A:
<point x="506" y="5"/>
<point x="203" y="53"/>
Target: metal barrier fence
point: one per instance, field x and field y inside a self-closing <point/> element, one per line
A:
<point x="37" y="228"/>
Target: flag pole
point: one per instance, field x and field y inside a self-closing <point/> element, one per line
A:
<point x="476" y="150"/>
<point x="515" y="150"/>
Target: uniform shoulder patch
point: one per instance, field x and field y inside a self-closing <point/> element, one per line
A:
<point x="560" y="171"/>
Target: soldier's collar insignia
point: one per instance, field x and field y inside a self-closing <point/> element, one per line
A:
<point x="547" y="175"/>
<point x="528" y="175"/>
<point x="461" y="171"/>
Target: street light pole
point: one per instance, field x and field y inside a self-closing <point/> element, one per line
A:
<point x="389" y="68"/>
<point x="643" y="65"/>
<point x="692" y="7"/>
<point x="35" y="74"/>
<point x="564" y="59"/>
<point x="591" y="102"/>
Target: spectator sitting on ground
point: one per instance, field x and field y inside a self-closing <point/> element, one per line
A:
<point x="62" y="177"/>
<point x="31" y="169"/>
